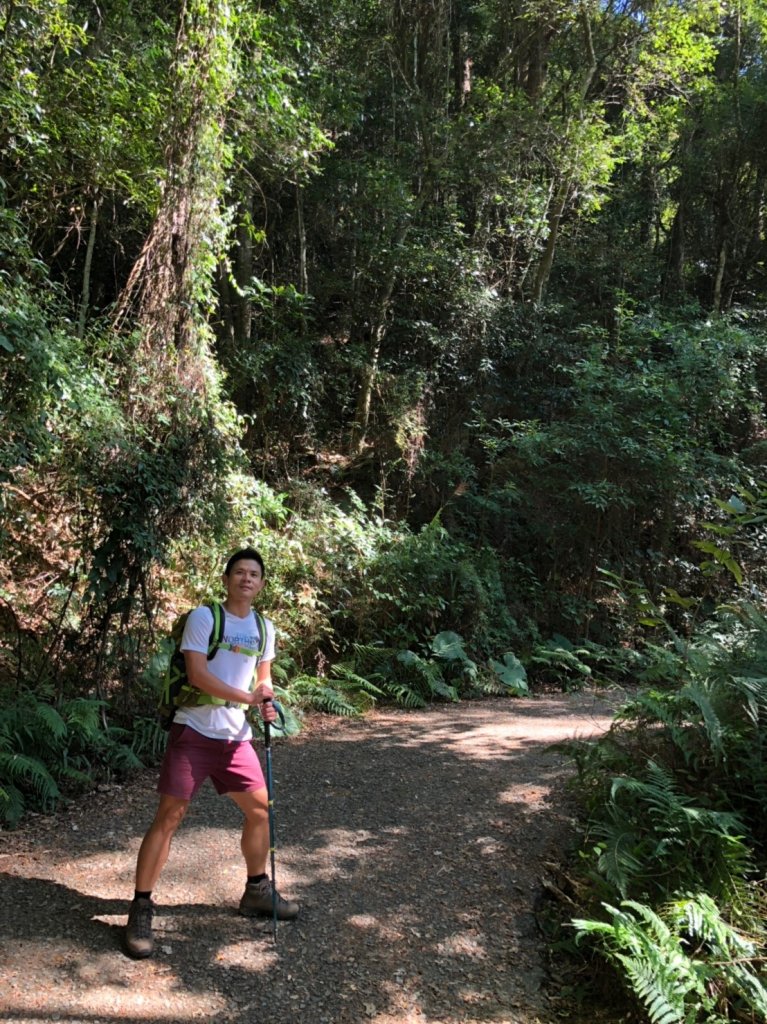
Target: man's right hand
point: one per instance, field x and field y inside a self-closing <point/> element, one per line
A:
<point x="268" y="711"/>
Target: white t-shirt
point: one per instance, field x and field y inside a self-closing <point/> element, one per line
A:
<point x="235" y="668"/>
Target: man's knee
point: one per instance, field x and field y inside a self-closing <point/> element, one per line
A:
<point x="170" y="814"/>
<point x="254" y="804"/>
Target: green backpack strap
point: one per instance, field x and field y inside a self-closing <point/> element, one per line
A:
<point x="217" y="643"/>
<point x="217" y="630"/>
<point x="261" y="623"/>
<point x="176" y="690"/>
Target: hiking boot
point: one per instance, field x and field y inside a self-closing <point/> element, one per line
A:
<point x="257" y="899"/>
<point x="139" y="941"/>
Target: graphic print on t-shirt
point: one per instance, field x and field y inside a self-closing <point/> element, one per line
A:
<point x="242" y="639"/>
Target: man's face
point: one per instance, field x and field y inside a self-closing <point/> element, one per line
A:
<point x="244" y="580"/>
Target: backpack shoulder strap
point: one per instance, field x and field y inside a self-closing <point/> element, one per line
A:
<point x="261" y="623"/>
<point x="217" y="629"/>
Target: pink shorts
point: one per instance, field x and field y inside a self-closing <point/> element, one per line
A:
<point x="191" y="758"/>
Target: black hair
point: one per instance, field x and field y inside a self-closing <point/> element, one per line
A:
<point x="243" y="553"/>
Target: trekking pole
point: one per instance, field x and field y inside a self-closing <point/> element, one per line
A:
<point x="270" y="798"/>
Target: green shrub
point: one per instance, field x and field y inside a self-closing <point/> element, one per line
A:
<point x="676" y="802"/>
<point x="47" y="751"/>
<point x="685" y="963"/>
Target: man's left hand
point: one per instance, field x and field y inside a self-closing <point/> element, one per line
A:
<point x="264" y="697"/>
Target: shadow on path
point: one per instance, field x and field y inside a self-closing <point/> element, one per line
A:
<point x="415" y="843"/>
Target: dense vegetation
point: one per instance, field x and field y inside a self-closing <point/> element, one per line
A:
<point x="457" y="310"/>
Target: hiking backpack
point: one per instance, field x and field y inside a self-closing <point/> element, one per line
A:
<point x="177" y="691"/>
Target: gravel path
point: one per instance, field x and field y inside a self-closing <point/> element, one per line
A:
<point x="416" y="843"/>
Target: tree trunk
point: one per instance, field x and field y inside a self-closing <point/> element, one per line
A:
<point x="85" y="297"/>
<point x="722" y="263"/>
<point x="554" y="219"/>
<point x="673" y="279"/>
<point x="243" y="305"/>
<point x="377" y="334"/>
<point x="160" y="294"/>
<point x="303" y="277"/>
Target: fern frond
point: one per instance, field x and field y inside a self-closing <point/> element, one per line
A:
<point x="12" y="804"/>
<point x="318" y="694"/>
<point x="699" y="695"/>
<point x="24" y="771"/>
<point x="371" y="657"/>
<point x="405" y="695"/>
<point x="618" y="860"/>
<point x="51" y="720"/>
<point x="664" y="1003"/>
<point x="149" y="738"/>
<point x="122" y="758"/>
<point x="345" y="673"/>
<point x="421" y="676"/>
<point x="83" y="715"/>
<point x="682" y="960"/>
<point x="71" y="777"/>
<point x="327" y="698"/>
<point x="443" y="689"/>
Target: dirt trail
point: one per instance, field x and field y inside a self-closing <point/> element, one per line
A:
<point x="415" y="842"/>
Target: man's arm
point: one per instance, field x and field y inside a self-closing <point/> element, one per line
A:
<point x="199" y="675"/>
<point x="264" y="692"/>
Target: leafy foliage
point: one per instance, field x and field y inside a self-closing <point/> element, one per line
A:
<point x="676" y="803"/>
<point x="686" y="963"/>
<point x="46" y="751"/>
<point x="511" y="673"/>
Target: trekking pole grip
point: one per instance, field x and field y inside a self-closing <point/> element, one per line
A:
<point x="267" y="726"/>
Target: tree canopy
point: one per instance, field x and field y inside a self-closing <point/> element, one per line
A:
<point x="456" y="308"/>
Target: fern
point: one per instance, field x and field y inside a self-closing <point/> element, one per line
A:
<point x="84" y="717"/>
<point x="652" y="835"/>
<point x="12" y="804"/>
<point x="422" y="676"/>
<point x="49" y="719"/>
<point x="372" y="658"/>
<point x="318" y="694"/>
<point x="122" y="758"/>
<point x="44" y="749"/>
<point x="681" y="960"/>
<point x="148" y="738"/>
<point x="406" y="696"/>
<point x="74" y="778"/>
<point x="666" y="981"/>
<point x="699" y="696"/>
<point x="23" y="770"/>
<point x="345" y="672"/>
<point x="619" y="859"/>
<point x="404" y="676"/>
<point x="652" y="708"/>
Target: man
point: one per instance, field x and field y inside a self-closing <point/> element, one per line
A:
<point x="212" y="740"/>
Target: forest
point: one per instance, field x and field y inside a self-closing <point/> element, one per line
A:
<point x="457" y="309"/>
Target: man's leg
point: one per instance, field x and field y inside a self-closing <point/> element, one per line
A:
<point x="152" y="855"/>
<point x="254" y="843"/>
<point x="155" y="845"/>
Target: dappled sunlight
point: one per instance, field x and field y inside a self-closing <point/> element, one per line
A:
<point x="484" y="736"/>
<point x="370" y="924"/>
<point x="463" y="944"/>
<point x="532" y="797"/>
<point x="94" y="985"/>
<point x="246" y="957"/>
<point x="337" y="853"/>
<point x="415" y="853"/>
